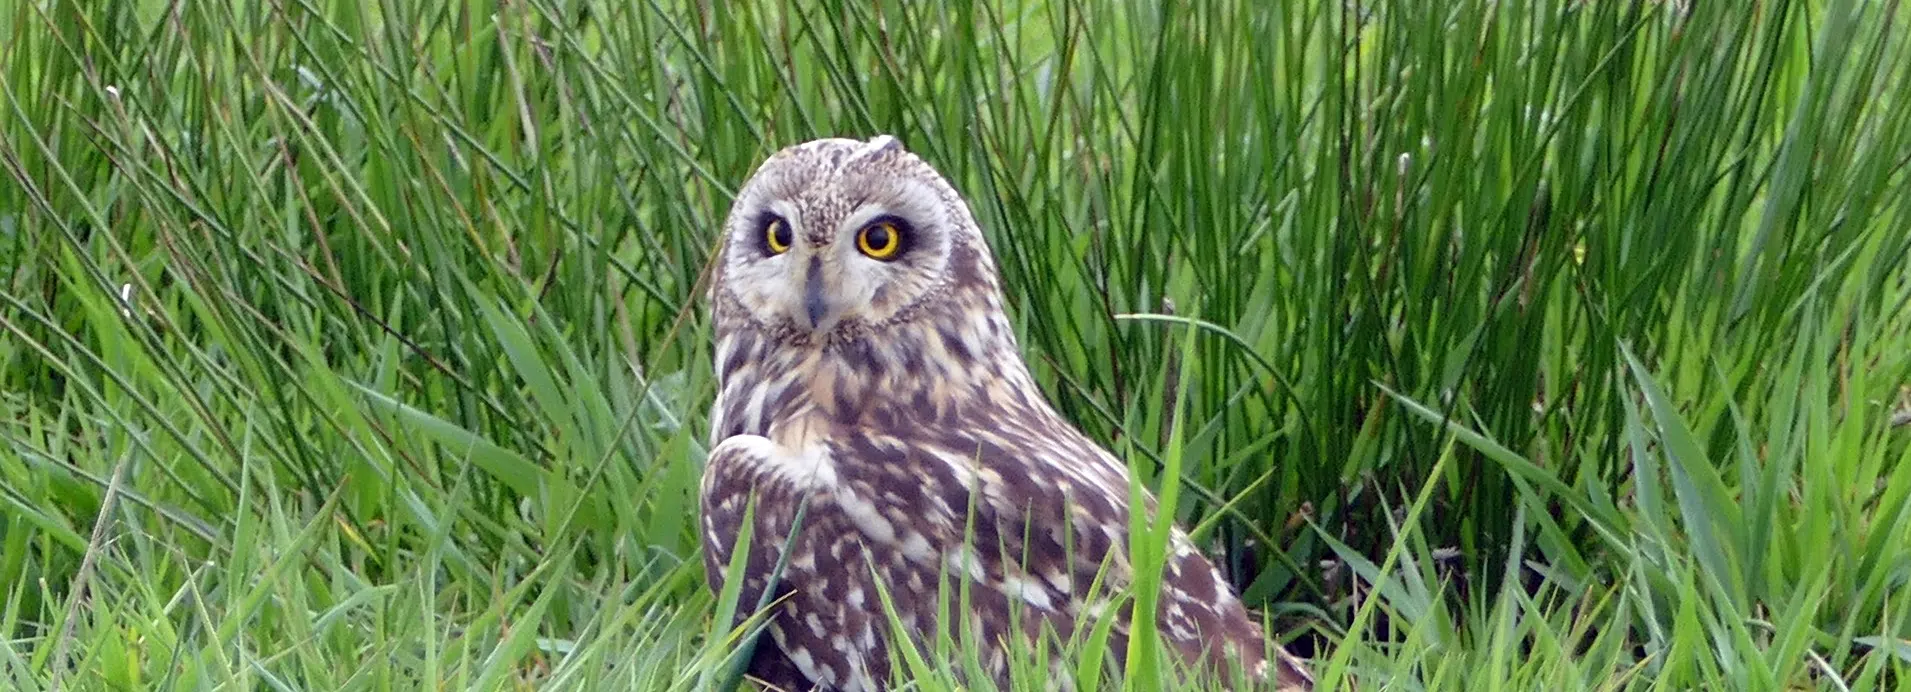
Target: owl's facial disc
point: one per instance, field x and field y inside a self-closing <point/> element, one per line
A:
<point x="838" y="236"/>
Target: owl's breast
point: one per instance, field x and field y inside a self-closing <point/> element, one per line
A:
<point x="944" y="373"/>
<point x="758" y="384"/>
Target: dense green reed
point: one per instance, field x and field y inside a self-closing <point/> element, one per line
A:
<point x="1520" y="345"/>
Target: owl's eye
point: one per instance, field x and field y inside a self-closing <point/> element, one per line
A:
<point x="880" y="240"/>
<point x="776" y="236"/>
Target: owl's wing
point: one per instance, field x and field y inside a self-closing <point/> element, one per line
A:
<point x="1034" y="516"/>
<point x="741" y="470"/>
<point x="788" y="507"/>
<point x="1059" y="505"/>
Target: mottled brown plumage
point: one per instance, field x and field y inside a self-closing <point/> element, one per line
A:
<point x="886" y="390"/>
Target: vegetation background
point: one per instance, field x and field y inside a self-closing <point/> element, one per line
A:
<point x="1549" y="345"/>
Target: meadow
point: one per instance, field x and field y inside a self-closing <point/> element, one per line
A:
<point x="1489" y="345"/>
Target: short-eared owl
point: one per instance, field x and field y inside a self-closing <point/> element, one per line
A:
<point x="866" y="373"/>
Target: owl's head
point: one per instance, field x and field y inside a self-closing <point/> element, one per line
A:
<point x="842" y="236"/>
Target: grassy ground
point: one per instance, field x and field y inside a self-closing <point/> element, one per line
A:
<point x="1535" y="345"/>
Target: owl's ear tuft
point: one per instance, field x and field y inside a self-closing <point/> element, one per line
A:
<point x="876" y="146"/>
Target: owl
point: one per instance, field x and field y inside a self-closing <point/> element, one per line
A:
<point x="877" y="428"/>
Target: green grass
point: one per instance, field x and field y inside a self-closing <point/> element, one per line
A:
<point x="358" y="346"/>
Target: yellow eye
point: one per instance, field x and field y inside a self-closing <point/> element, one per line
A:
<point x="880" y="240"/>
<point x="776" y="236"/>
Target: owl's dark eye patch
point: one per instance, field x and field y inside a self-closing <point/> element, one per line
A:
<point x="885" y="237"/>
<point x="775" y="234"/>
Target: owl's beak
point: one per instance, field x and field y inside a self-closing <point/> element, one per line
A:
<point x="816" y="298"/>
<point x="813" y="302"/>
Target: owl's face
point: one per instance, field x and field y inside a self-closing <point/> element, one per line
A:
<point x="841" y="235"/>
